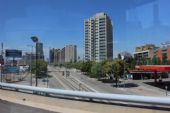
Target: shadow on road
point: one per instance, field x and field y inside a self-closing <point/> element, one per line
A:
<point x="160" y="84"/>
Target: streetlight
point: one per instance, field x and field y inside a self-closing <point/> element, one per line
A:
<point x="31" y="62"/>
<point x="1" y="71"/>
<point x="35" y="40"/>
<point x="2" y="60"/>
<point x="123" y="58"/>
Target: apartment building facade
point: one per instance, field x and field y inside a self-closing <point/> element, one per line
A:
<point x="66" y="54"/>
<point x="70" y="53"/>
<point x="98" y="38"/>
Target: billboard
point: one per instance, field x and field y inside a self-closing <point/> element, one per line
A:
<point x="13" y="53"/>
<point x="12" y="70"/>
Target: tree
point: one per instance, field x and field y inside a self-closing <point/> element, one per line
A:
<point x="155" y="60"/>
<point x="148" y="61"/>
<point x="96" y="70"/>
<point x="107" y="67"/>
<point x="41" y="68"/>
<point x="159" y="61"/>
<point x="118" y="70"/>
<point x="131" y="63"/>
<point x="86" y="66"/>
<point x="119" y="56"/>
<point x="77" y="65"/>
<point x="164" y="59"/>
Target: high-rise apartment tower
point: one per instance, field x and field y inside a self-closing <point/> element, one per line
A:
<point x="70" y="53"/>
<point x="98" y="38"/>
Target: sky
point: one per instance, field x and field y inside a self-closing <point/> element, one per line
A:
<point x="61" y="22"/>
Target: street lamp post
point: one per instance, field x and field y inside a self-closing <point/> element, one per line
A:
<point x="1" y="72"/>
<point x="47" y="81"/>
<point x="31" y="62"/>
<point x="123" y="58"/>
<point x="35" y="40"/>
<point x="2" y="62"/>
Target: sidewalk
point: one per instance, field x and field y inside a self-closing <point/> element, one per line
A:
<point x="146" y="89"/>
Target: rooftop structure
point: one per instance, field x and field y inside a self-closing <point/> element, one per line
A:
<point x="145" y="48"/>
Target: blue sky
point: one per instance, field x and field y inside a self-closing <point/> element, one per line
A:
<point x="60" y="22"/>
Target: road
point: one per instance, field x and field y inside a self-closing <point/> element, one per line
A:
<point x="72" y="82"/>
<point x="137" y="88"/>
<point x="10" y="107"/>
<point x="61" y="81"/>
<point x="79" y="81"/>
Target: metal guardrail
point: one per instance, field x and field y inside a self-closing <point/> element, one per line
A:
<point x="93" y="95"/>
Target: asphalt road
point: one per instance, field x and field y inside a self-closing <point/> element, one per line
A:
<point x="136" y="87"/>
<point x="59" y="80"/>
<point x="78" y="81"/>
<point x="70" y="83"/>
<point x="9" y="107"/>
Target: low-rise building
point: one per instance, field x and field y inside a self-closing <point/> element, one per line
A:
<point x="145" y="47"/>
<point x="28" y="58"/>
<point x="163" y="54"/>
<point x="144" y="52"/>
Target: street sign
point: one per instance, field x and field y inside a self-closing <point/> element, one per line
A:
<point x="12" y="70"/>
<point x="13" y="53"/>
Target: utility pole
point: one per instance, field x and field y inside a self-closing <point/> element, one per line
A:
<point x="35" y="40"/>
<point x="49" y="55"/>
<point x="2" y="46"/>
<point x="47" y="67"/>
<point x="123" y="59"/>
<point x="31" y="62"/>
<point x="2" y="59"/>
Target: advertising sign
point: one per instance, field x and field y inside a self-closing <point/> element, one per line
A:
<point x="13" y="53"/>
<point x="12" y="70"/>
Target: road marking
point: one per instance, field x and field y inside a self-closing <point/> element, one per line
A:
<point x="84" y="84"/>
<point x="66" y="87"/>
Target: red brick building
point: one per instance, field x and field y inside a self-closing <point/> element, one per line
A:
<point x="163" y="52"/>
